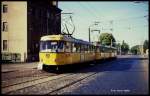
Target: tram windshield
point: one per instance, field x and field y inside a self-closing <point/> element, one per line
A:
<point x="51" y="46"/>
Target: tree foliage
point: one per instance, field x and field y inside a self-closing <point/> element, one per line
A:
<point x="105" y="39"/>
<point x="118" y="45"/>
<point x="124" y="47"/>
<point x="135" y="49"/>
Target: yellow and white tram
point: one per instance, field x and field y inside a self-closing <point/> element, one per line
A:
<point x="57" y="50"/>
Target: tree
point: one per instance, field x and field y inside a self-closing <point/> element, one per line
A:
<point x="124" y="47"/>
<point x="118" y="47"/>
<point x="145" y="45"/>
<point x="135" y="49"/>
<point x="106" y="39"/>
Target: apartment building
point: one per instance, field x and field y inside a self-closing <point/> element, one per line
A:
<point x="23" y="23"/>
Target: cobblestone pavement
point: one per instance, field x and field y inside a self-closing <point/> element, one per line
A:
<point x="126" y="75"/>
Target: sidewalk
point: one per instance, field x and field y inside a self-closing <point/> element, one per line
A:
<point x="18" y="66"/>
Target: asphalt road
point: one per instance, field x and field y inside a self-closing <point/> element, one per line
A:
<point x="125" y="75"/>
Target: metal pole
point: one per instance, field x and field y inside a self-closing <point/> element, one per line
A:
<point x="120" y="49"/>
<point x="95" y="23"/>
<point x="47" y="22"/>
<point x="89" y="35"/>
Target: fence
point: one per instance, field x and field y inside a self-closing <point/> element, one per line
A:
<point x="11" y="57"/>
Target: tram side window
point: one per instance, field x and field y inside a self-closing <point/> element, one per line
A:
<point x="53" y="46"/>
<point x="92" y="48"/>
<point x="107" y="50"/>
<point x="61" y="46"/>
<point x="74" y="47"/>
<point x="78" y="47"/>
<point x="102" y="49"/>
<point x="42" y="45"/>
<point x="86" y="48"/>
<point x="67" y="47"/>
<point x="97" y="49"/>
<point x="82" y="48"/>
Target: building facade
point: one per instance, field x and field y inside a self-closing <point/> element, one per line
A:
<point x="23" y="23"/>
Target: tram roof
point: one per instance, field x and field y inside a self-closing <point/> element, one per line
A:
<point x="64" y="38"/>
<point x="105" y="46"/>
<point x="108" y="47"/>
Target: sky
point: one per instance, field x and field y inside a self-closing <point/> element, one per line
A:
<point x="128" y="20"/>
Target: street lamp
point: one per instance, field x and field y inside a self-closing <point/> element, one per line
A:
<point x="95" y="23"/>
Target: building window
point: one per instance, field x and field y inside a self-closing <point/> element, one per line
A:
<point x="5" y="26"/>
<point x="4" y="45"/>
<point x="5" y="7"/>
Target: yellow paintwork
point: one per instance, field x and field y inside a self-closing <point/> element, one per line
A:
<point x="98" y="56"/>
<point x="49" y="58"/>
<point x="59" y="58"/>
<point x="89" y="56"/>
<point x="52" y="37"/>
<point x="56" y="37"/>
<point x="64" y="58"/>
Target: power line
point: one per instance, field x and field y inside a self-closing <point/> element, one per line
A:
<point x="116" y="20"/>
<point x="87" y="9"/>
<point x="93" y="10"/>
<point x="129" y="18"/>
<point x="133" y="18"/>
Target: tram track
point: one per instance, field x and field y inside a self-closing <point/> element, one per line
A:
<point x="48" y="86"/>
<point x="9" y="88"/>
<point x="26" y="84"/>
<point x="20" y="73"/>
<point x="15" y="81"/>
<point x="70" y="84"/>
<point x="52" y="82"/>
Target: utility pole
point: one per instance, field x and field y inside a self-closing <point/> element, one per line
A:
<point x="111" y="24"/>
<point x="120" y="49"/>
<point x="98" y="32"/>
<point x="95" y="23"/>
<point x="89" y="35"/>
<point x="47" y="23"/>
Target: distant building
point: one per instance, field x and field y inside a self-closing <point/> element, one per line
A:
<point x="23" y="23"/>
<point x="141" y="49"/>
<point x="147" y="51"/>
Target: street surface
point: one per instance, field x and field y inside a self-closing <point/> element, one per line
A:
<point x="125" y="75"/>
